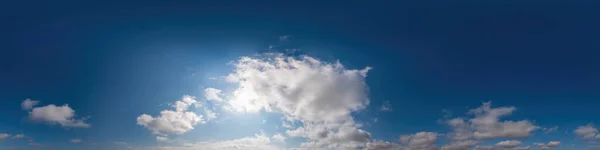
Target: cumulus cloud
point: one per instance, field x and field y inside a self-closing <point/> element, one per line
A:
<point x="420" y="141"/>
<point x="319" y="96"/>
<point x="549" y="146"/>
<point x="508" y="144"/>
<point x="586" y="132"/>
<point x="479" y="147"/>
<point x="340" y="136"/>
<point x="486" y="124"/>
<point x="4" y="135"/>
<point x="161" y="138"/>
<point x="172" y="122"/>
<point x="27" y="104"/>
<point x="184" y="103"/>
<point x="460" y="145"/>
<point x="75" y="141"/>
<point x="278" y="138"/>
<point x="522" y="148"/>
<point x="258" y="142"/>
<point x="19" y="136"/>
<point x="61" y="115"/>
<point x="304" y="88"/>
<point x="213" y="94"/>
<point x="210" y="115"/>
<point x="383" y="145"/>
<point x="461" y="129"/>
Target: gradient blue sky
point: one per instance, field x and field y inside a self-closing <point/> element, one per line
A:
<point x="432" y="60"/>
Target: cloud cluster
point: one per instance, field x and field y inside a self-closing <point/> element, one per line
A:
<point x="52" y="114"/>
<point x="317" y="100"/>
<point x="257" y="142"/>
<point x="460" y="145"/>
<point x="508" y="144"/>
<point x="213" y="94"/>
<point x="549" y="146"/>
<point x="172" y="122"/>
<point x="587" y="132"/>
<point x="341" y="136"/>
<point x="161" y="138"/>
<point x="486" y="124"/>
<point x="382" y="145"/>
<point x="4" y="135"/>
<point x="278" y="138"/>
<point x="420" y="141"/>
<point x="318" y="95"/>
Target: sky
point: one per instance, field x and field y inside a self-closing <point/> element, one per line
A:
<point x="293" y="75"/>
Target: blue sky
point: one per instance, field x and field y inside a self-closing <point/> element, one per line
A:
<point x="281" y="75"/>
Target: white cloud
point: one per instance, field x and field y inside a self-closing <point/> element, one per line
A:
<point x="460" y="145"/>
<point x="62" y="115"/>
<point x="75" y="141"/>
<point x="18" y="136"/>
<point x="553" y="143"/>
<point x="522" y="148"/>
<point x="258" y="142"/>
<point x="486" y="124"/>
<point x="461" y="130"/>
<point x="184" y="103"/>
<point x="210" y="115"/>
<point x="586" y="132"/>
<point x="479" y="147"/>
<point x="420" y="141"/>
<point x="279" y="138"/>
<point x="172" y="122"/>
<point x="304" y="88"/>
<point x="383" y="145"/>
<point x="549" y="146"/>
<point x="161" y="138"/>
<point x="27" y="104"/>
<point x="319" y="95"/>
<point x="331" y="135"/>
<point x="4" y="135"/>
<point x="213" y="94"/>
<point x="386" y="106"/>
<point x="548" y="130"/>
<point x="285" y="124"/>
<point x="508" y="144"/>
